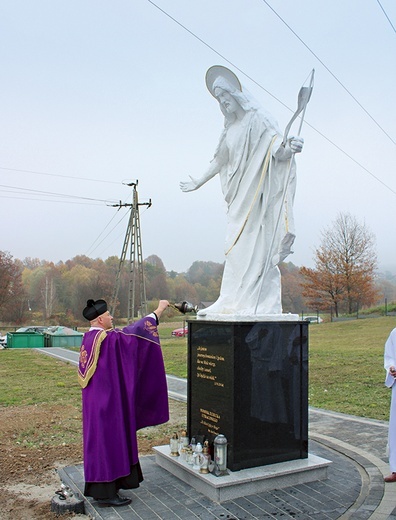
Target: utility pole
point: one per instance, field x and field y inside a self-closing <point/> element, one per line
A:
<point x="132" y="239"/>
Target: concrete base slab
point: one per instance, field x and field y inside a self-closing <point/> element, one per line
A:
<point x="247" y="481"/>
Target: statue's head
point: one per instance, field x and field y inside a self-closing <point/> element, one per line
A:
<point x="228" y="103"/>
<point x="226" y="88"/>
<point x="226" y="77"/>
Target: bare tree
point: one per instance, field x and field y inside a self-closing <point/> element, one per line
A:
<point x="345" y="265"/>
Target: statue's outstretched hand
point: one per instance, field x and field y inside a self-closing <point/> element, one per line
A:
<point x="189" y="185"/>
<point x="296" y="144"/>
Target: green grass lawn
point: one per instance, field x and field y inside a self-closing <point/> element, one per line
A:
<point x="175" y="351"/>
<point x="345" y="369"/>
<point x="30" y="378"/>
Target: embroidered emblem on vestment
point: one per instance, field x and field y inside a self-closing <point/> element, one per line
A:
<point x="83" y="356"/>
<point x="89" y="359"/>
<point x="151" y="328"/>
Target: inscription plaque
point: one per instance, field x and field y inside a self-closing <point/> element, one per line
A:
<point x="249" y="381"/>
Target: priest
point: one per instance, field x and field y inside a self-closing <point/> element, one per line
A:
<point x="122" y="375"/>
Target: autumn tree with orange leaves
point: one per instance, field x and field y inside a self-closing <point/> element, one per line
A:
<point x="345" y="265"/>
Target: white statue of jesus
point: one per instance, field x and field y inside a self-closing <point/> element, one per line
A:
<point x="258" y="179"/>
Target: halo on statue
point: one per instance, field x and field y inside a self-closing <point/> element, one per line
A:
<point x="219" y="71"/>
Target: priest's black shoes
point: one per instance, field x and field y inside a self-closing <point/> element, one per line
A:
<point x="114" y="502"/>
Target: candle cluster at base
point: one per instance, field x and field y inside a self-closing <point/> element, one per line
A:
<point x="201" y="456"/>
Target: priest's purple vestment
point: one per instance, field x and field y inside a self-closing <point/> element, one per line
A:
<point x="123" y="389"/>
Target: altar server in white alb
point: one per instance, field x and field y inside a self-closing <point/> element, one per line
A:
<point x="390" y="367"/>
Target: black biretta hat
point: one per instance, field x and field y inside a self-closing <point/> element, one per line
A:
<point x="94" y="309"/>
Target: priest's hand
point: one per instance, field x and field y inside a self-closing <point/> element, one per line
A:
<point x="163" y="304"/>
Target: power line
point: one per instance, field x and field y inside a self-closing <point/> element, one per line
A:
<point x="352" y="159"/>
<point x="329" y="71"/>
<point x="116" y="238"/>
<point x="219" y="54"/>
<point x="109" y="244"/>
<point x="55" y="201"/>
<point x="57" y="175"/>
<point x="387" y="17"/>
<point x="100" y="234"/>
<point x="84" y="200"/>
<point x="254" y="81"/>
<point x="277" y="99"/>
<point x="92" y="249"/>
<point x="49" y="193"/>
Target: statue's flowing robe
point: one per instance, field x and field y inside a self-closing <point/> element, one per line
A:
<point x="123" y="389"/>
<point x="260" y="226"/>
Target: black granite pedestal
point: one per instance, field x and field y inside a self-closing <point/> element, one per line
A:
<point x="249" y="381"/>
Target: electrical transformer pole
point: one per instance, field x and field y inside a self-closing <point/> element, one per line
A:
<point x="133" y="239"/>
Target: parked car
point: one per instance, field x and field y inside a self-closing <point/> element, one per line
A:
<point x="180" y="332"/>
<point x="313" y="319"/>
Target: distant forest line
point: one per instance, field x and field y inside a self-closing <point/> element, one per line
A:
<point x="57" y="293"/>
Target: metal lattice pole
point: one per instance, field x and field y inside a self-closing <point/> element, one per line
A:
<point x="136" y="268"/>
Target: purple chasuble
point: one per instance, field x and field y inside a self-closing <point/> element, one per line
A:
<point x="124" y="389"/>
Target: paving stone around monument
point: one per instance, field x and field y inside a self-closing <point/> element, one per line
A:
<point x="163" y="496"/>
